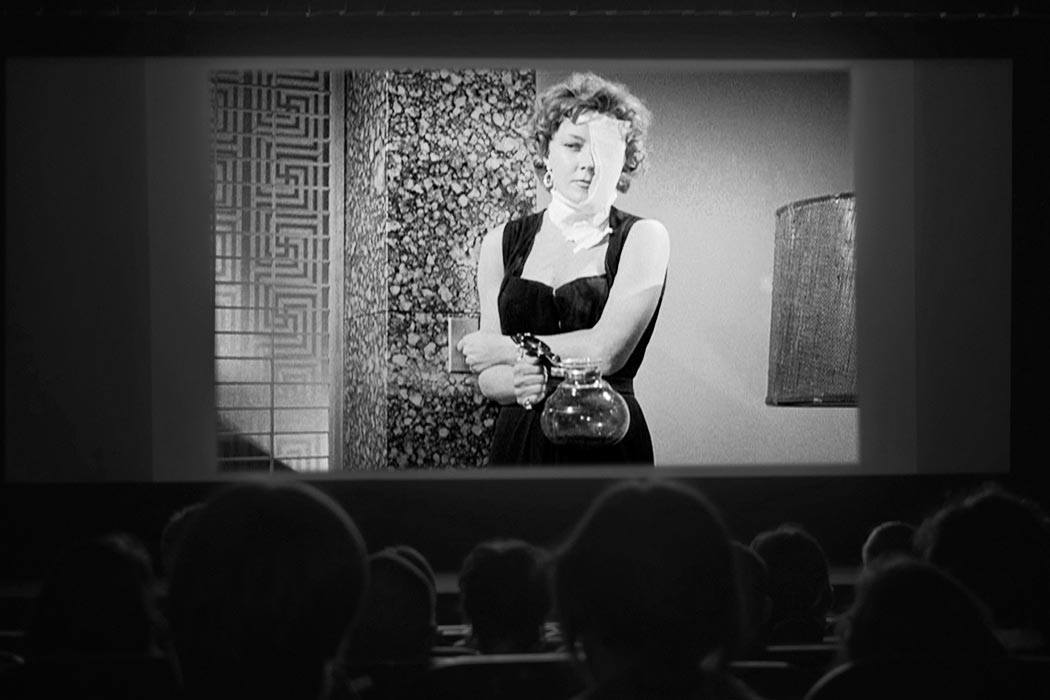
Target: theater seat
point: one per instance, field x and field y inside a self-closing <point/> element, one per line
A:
<point x="109" y="677"/>
<point x="1028" y="676"/>
<point x="810" y="656"/>
<point x="13" y="641"/>
<point x="504" y="677"/>
<point x="910" y="679"/>
<point x="385" y="681"/>
<point x="775" y="680"/>
<point x="443" y="651"/>
<point x="450" y="634"/>
<point x="10" y="662"/>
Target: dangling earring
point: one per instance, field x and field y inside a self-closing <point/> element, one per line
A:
<point x="548" y="179"/>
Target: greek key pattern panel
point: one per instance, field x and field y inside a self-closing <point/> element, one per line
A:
<point x="272" y="174"/>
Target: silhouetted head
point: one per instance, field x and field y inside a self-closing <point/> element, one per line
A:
<point x="267" y="580"/>
<point x="98" y="599"/>
<point x="799" y="583"/>
<point x="171" y="535"/>
<point x="912" y="609"/>
<point x="416" y="558"/>
<point x="648" y="574"/>
<point x="397" y="620"/>
<point x="893" y="537"/>
<point x="505" y="595"/>
<point x="755" y="604"/>
<point x="998" y="545"/>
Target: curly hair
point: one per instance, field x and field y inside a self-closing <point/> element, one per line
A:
<point x="583" y="92"/>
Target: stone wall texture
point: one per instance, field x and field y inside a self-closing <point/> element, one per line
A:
<point x="365" y="287"/>
<point x="447" y="163"/>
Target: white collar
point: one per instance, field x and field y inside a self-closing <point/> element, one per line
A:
<point x="584" y="229"/>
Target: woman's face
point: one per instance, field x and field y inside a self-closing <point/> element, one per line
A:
<point x="569" y="160"/>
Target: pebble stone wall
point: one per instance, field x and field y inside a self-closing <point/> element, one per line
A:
<point x="365" y="288"/>
<point x="455" y="165"/>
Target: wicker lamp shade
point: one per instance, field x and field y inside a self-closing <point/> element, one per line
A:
<point x="812" y="339"/>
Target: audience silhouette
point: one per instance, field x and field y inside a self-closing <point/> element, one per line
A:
<point x="270" y="594"/>
<point x="889" y="538"/>
<point x="266" y="581"/>
<point x="99" y="599"/>
<point x="914" y="632"/>
<point x="397" y="621"/>
<point x="416" y="558"/>
<point x="647" y="592"/>
<point x="998" y="545"/>
<point x="386" y="652"/>
<point x="799" y="584"/>
<point x="905" y="607"/>
<point x="171" y="536"/>
<point x="96" y="629"/>
<point x="505" y="596"/>
<point x="756" y="606"/>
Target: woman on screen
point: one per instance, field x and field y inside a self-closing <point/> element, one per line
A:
<point x="581" y="276"/>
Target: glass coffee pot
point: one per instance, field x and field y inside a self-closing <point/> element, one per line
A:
<point x="583" y="409"/>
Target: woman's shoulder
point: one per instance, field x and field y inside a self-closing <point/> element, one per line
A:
<point x="504" y="240"/>
<point x="649" y="227"/>
<point x="636" y="223"/>
<point x="649" y="238"/>
<point x="510" y="233"/>
<point x="525" y="221"/>
<point x="646" y="244"/>
<point x="514" y="225"/>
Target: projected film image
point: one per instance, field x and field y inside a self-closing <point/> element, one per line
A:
<point x="464" y="268"/>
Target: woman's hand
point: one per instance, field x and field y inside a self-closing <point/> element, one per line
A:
<point x="484" y="349"/>
<point x="530" y="381"/>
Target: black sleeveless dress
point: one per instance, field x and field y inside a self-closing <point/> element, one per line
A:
<point x="530" y="306"/>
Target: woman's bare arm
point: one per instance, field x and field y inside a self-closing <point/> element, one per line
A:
<point x="497" y="380"/>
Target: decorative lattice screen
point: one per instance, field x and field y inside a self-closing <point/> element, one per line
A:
<point x="276" y="260"/>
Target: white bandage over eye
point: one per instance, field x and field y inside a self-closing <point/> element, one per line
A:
<point x="608" y="148"/>
<point x="582" y="223"/>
